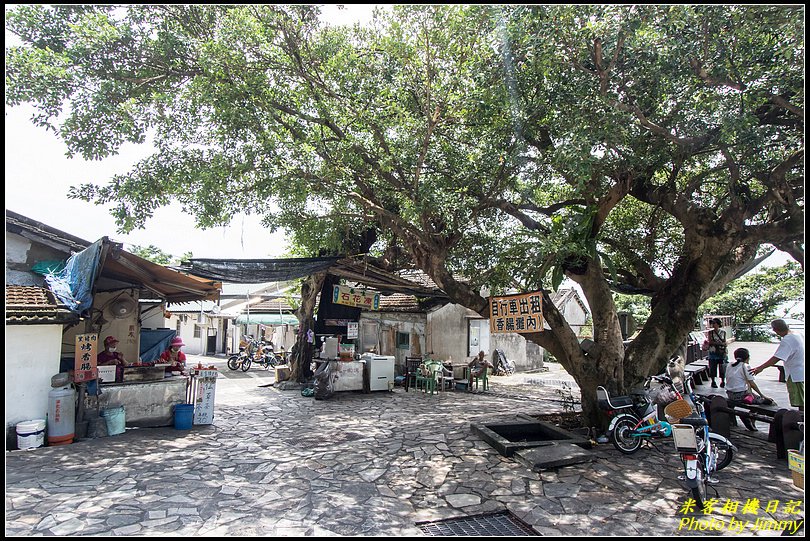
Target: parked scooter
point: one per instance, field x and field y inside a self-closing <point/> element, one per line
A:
<point x="702" y="452"/>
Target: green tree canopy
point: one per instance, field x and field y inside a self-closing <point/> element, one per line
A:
<point x="758" y="297"/>
<point x="646" y="149"/>
<point x="156" y="255"/>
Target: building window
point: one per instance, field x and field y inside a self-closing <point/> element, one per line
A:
<point x="197" y="333"/>
<point x="403" y="340"/>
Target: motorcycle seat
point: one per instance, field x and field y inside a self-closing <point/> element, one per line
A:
<point x="615" y="402"/>
<point x="694" y="421"/>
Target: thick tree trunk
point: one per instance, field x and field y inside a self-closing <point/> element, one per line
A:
<point x="602" y="363"/>
<point x="302" y="350"/>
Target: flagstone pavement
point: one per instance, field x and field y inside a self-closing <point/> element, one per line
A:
<point x="275" y="463"/>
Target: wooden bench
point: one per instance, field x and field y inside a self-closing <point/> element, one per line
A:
<point x="781" y="369"/>
<point x="746" y="412"/>
<point x="698" y="370"/>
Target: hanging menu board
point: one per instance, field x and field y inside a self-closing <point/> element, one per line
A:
<point x="521" y="313"/>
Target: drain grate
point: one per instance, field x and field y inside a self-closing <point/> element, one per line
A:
<point x="497" y="524"/>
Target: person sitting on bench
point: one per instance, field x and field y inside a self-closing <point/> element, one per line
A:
<point x="740" y="382"/>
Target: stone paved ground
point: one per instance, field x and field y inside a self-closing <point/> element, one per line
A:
<point x="276" y="463"/>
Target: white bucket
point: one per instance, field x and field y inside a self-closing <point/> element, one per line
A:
<point x="31" y="434"/>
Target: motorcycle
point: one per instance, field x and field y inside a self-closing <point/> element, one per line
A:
<point x="634" y="418"/>
<point x="265" y="357"/>
<point x="701" y="451"/>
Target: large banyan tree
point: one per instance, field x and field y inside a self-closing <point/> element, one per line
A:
<point x="653" y="150"/>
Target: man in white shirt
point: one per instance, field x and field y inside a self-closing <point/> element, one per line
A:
<point x="791" y="353"/>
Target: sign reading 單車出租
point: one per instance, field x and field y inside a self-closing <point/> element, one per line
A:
<point x="350" y="296"/>
<point x="521" y="313"/>
<point x="85" y="361"/>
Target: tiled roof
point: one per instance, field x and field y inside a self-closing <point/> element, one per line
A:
<point x="270" y="305"/>
<point x="22" y="225"/>
<point x="28" y="305"/>
<point x="399" y="302"/>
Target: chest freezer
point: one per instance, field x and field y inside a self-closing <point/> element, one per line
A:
<point x="380" y="371"/>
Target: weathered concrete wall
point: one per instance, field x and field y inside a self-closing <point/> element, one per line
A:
<point x="22" y="254"/>
<point x="126" y="330"/>
<point x="447" y="332"/>
<point x="32" y="357"/>
<point x="146" y="404"/>
<point x="448" y="335"/>
<point x="527" y="355"/>
<point x="390" y="323"/>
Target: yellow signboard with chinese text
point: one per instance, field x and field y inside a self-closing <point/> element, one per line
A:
<point x="85" y="360"/>
<point x="521" y="313"/>
<point x="350" y="296"/>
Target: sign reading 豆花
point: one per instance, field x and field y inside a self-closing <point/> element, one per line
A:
<point x="520" y="313"/>
<point x="84" y="368"/>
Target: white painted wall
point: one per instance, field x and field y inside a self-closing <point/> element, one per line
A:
<point x="31" y="359"/>
<point x="448" y="335"/>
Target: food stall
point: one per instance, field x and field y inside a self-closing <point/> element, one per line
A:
<point x="111" y="281"/>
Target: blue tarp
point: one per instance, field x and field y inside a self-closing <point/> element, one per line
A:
<point x="154" y="342"/>
<point x="73" y="285"/>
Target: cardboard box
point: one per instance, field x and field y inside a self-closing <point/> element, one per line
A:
<point x="796" y="465"/>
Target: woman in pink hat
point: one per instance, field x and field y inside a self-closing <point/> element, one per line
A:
<point x="175" y="357"/>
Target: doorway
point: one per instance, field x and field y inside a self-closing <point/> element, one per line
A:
<point x="478" y="333"/>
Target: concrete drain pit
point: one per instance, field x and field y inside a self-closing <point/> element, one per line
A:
<point x="510" y="437"/>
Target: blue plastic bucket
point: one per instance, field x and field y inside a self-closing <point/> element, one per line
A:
<point x="115" y="418"/>
<point x="183" y="416"/>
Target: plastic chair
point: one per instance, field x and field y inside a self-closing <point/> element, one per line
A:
<point x="431" y="380"/>
<point x="483" y="377"/>
<point x="411" y="370"/>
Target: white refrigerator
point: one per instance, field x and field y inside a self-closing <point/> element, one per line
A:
<point x="380" y="371"/>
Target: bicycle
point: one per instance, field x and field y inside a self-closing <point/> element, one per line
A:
<point x="634" y="417"/>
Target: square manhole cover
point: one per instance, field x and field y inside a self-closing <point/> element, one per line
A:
<point x="496" y="524"/>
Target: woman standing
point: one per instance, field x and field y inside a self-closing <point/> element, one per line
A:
<point x="718" y="357"/>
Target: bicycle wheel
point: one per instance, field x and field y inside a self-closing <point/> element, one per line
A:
<point x="622" y="436"/>
<point x="724" y="453"/>
<point x="246" y="365"/>
<point x="233" y="362"/>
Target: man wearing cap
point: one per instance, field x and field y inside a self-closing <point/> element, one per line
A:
<point x="175" y="357"/>
<point x="110" y="356"/>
